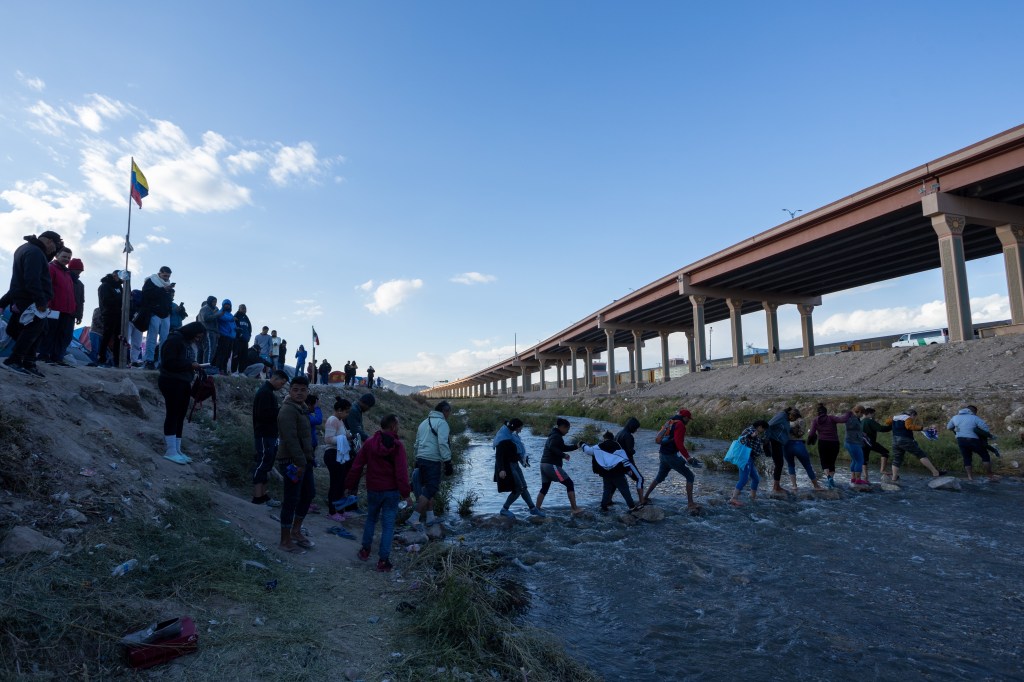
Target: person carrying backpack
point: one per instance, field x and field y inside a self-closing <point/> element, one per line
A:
<point x="674" y="456"/>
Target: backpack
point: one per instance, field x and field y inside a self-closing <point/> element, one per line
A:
<point x="665" y="433"/>
<point x="203" y="388"/>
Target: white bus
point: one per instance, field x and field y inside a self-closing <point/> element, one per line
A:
<point x="925" y="338"/>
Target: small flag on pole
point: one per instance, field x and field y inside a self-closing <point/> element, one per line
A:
<point x="316" y="339"/>
<point x="128" y="248"/>
<point x="140" y="187"/>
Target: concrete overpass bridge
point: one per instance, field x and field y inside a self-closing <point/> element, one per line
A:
<point x="962" y="206"/>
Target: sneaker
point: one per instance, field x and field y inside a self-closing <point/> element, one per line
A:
<point x="34" y="371"/>
<point x="995" y="451"/>
<point x="272" y="503"/>
<point x="830" y="483"/>
<point x="364" y="553"/>
<point x="538" y="512"/>
<point x="176" y="458"/>
<point x="506" y="512"/>
<point x="259" y="500"/>
<point x="336" y="517"/>
<point x="384" y="566"/>
<point x="14" y="367"/>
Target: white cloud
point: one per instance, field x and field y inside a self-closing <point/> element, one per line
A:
<point x="427" y="368"/>
<point x="479" y="343"/>
<point x="390" y="295"/>
<point x="37" y="207"/>
<point x="106" y="254"/>
<point x="365" y="286"/>
<point x="470" y="278"/>
<point x="36" y="84"/>
<point x="182" y="178"/>
<point x="98" y="108"/>
<point x="244" y="162"/>
<point x="292" y="162"/>
<point x="897" y="320"/>
<point x="154" y="239"/>
<point x="50" y="120"/>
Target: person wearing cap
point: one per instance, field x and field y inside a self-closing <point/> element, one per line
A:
<point x="157" y="299"/>
<point x="29" y="295"/>
<point x="903" y="427"/>
<point x="209" y="315"/>
<point x="109" y="294"/>
<point x="673" y="456"/>
<point x="778" y="437"/>
<point x="57" y="335"/>
<point x="433" y="452"/>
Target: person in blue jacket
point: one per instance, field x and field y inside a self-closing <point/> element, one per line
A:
<point x="226" y="330"/>
<point x="300" y="360"/>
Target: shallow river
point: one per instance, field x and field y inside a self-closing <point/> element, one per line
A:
<point x="916" y="584"/>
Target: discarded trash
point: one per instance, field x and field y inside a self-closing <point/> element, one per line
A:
<point x="225" y="522"/>
<point x="102" y="545"/>
<point x="85" y="471"/>
<point x="412" y="548"/>
<point x="260" y="546"/>
<point x="113" y="465"/>
<point x="271" y="584"/>
<point x="161" y="642"/>
<point x="341" y="532"/>
<point x="121" y="569"/>
<point x="254" y="564"/>
<point x="258" y="621"/>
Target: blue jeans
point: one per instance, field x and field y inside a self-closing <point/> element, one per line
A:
<point x="749" y="471"/>
<point x="157" y="325"/>
<point x="856" y="457"/>
<point x="94" y="346"/>
<point x="383" y="504"/>
<point x="797" y="449"/>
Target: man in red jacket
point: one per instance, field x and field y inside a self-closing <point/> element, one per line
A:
<point x="57" y="335"/>
<point x="387" y="481"/>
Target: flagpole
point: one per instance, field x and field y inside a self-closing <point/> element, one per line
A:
<point x="312" y="344"/>
<point x="126" y="291"/>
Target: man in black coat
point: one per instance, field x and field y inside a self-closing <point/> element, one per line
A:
<point x="29" y="296"/>
<point x="109" y="294"/>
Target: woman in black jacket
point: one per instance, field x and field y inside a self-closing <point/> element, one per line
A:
<point x="177" y="371"/>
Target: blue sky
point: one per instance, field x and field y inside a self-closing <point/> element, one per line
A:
<point x="425" y="182"/>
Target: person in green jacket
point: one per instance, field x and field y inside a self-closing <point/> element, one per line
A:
<point x="433" y="452"/>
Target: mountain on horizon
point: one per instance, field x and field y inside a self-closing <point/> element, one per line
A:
<point x="402" y="389"/>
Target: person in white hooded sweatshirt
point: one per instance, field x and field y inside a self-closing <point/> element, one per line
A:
<point x="611" y="463"/>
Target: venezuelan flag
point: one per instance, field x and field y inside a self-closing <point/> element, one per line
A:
<point x="140" y="187"/>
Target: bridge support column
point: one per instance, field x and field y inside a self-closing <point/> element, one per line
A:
<point x="807" y="328"/>
<point x="1012" y="239"/>
<point x="736" y="329"/>
<point x="771" y="314"/>
<point x="692" y="364"/>
<point x="632" y="364"/>
<point x="504" y="386"/>
<point x="610" y="335"/>
<point x="572" y="361"/>
<point x="514" y="385"/>
<point x="588" y="371"/>
<point x="543" y="380"/>
<point x="950" y="230"/>
<point x="700" y="350"/>
<point x="526" y="380"/>
<point x="638" y="348"/>
<point x="663" y="337"/>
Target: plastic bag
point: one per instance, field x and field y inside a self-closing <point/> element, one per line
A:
<point x="738" y="454"/>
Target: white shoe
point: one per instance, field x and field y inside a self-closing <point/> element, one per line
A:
<point x="177" y="448"/>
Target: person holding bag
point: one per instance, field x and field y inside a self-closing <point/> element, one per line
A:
<point x="338" y="460"/>
<point x="753" y="438"/>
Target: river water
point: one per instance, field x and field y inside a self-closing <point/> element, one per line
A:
<point x="915" y="584"/>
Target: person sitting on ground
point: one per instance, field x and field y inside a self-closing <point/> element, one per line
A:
<point x="754" y="438"/>
<point x="433" y="453"/>
<point x="509" y="453"/>
<point x="825" y="433"/>
<point x="387" y="482"/>
<point x="264" y="427"/>
<point x="673" y="456"/>
<point x="295" y="462"/>
<point x="796" y="449"/>
<point x="969" y="427"/>
<point x="611" y="463"/>
<point x="555" y="453"/>
<point x="338" y="458"/>
<point x="255" y="365"/>
<point x="903" y="427"/>
<point x="178" y="365"/>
